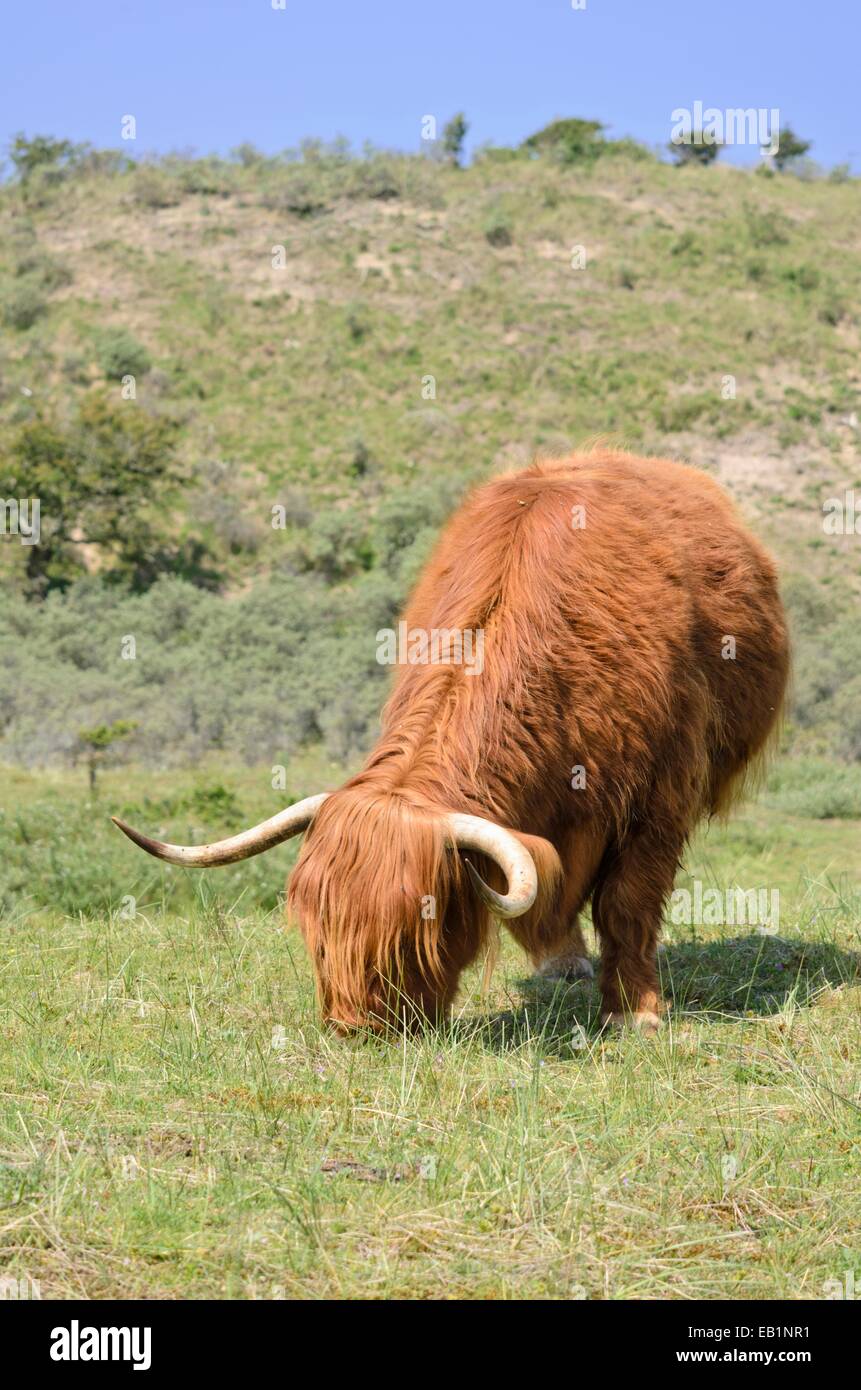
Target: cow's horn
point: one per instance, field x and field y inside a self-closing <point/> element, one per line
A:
<point x="291" y="821"/>
<point x="472" y="832"/>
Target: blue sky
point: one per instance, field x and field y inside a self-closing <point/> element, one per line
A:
<point x="207" y="74"/>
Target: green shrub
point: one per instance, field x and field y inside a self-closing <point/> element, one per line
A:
<point x="212" y="177"/>
<point x="847" y="710"/>
<point x="22" y="302"/>
<point x="697" y="150"/>
<point x="833" y="307"/>
<point x="814" y="787"/>
<point x="41" y="153"/>
<point x="453" y="136"/>
<point x="497" y="228"/>
<point x="682" y="412"/>
<point x="358" y="321"/>
<point x="377" y="177"/>
<point x="42" y="269"/>
<point x="806" y="277"/>
<point x="626" y="148"/>
<point x="790" y="147"/>
<point x="119" y="354"/>
<point x="295" y="663"/>
<point x="802" y="407"/>
<point x="687" y="247"/>
<point x="152" y="187"/>
<point x="407" y="515"/>
<point x="247" y="155"/>
<point x="297" y="191"/>
<point x="767" y="228"/>
<point x="499" y="154"/>
<point x="336" y="545"/>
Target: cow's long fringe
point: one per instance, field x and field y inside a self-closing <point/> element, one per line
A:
<point x="388" y="912"/>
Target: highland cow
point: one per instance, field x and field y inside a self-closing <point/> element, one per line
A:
<point x="635" y="660"/>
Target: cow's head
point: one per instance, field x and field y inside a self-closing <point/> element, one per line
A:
<point x="389" y="904"/>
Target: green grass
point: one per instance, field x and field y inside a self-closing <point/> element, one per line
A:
<point x="175" y="1123"/>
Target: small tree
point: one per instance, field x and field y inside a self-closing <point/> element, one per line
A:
<point x="246" y="154"/>
<point x="789" y="146"/>
<point x="41" y="151"/>
<point x="571" y="141"/>
<point x="96" y="743"/>
<point x="103" y="481"/>
<point x="453" y="136"/>
<point x="699" y="149"/>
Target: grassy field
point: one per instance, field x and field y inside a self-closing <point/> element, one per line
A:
<point x="175" y="1124"/>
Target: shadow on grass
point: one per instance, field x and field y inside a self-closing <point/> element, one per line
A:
<point x="754" y="975"/>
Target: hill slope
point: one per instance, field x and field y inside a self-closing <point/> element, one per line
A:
<point x="356" y="341"/>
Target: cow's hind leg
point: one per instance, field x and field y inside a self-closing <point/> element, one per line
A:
<point x="560" y="952"/>
<point x="555" y="947"/>
<point x="569" y="959"/>
<point x="627" y="905"/>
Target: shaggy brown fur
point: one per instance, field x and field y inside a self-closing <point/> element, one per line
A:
<point x="605" y="648"/>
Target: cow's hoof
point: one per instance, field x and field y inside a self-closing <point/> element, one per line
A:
<point x="643" y="1022"/>
<point x="567" y="968"/>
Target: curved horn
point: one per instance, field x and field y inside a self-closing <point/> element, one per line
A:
<point x="504" y="848"/>
<point x="291" y="821"/>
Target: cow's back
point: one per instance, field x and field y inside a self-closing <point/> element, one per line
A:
<point x="629" y="618"/>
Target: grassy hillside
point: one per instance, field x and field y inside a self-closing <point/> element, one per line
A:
<point x="306" y="385"/>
